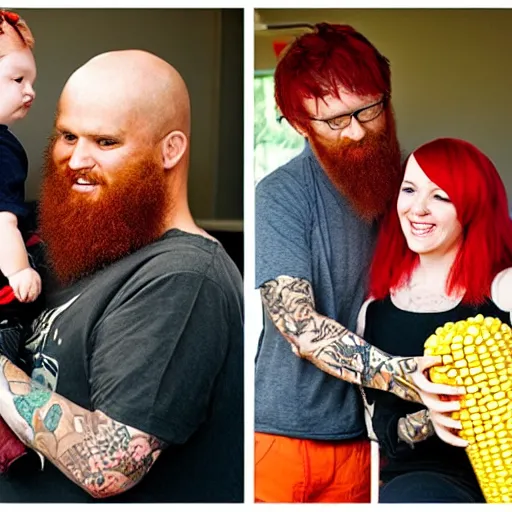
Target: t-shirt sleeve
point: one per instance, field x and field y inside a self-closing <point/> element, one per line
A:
<point x="12" y="180"/>
<point x="281" y="229"/>
<point x="157" y="354"/>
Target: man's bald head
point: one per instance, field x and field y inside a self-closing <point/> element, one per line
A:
<point x="117" y="167"/>
<point x="136" y="84"/>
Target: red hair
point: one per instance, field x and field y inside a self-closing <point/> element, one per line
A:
<point x="14" y="33"/>
<point x="476" y="190"/>
<point x="316" y="64"/>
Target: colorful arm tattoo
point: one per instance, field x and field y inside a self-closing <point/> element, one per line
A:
<point x="331" y="347"/>
<point x="415" y="427"/>
<point x="101" y="455"/>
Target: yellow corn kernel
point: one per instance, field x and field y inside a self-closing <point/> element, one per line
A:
<point x="468" y="403"/>
<point x="477" y="353"/>
<point x="468" y="340"/>
<point x="480" y="377"/>
<point x="464" y="414"/>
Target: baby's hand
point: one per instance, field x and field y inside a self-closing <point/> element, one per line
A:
<point x="26" y="284"/>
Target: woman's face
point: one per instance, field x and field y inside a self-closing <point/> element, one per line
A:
<point x="427" y="216"/>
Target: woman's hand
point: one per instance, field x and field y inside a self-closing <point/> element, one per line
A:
<point x="441" y="400"/>
<point x="421" y="425"/>
<point x="447" y="429"/>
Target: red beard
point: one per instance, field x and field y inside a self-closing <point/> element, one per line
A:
<point x="83" y="235"/>
<point x="367" y="172"/>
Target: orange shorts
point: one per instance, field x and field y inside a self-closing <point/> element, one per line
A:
<point x="289" y="470"/>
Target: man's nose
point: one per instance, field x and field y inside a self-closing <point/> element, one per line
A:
<point x="354" y="130"/>
<point x="80" y="157"/>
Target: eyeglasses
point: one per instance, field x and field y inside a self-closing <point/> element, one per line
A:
<point x="363" y="115"/>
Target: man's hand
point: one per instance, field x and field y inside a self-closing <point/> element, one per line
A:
<point x="408" y="380"/>
<point x="445" y="426"/>
<point x="26" y="284"/>
<point x="428" y="391"/>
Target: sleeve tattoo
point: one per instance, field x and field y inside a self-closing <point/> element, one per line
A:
<point x="331" y="347"/>
<point x="415" y="427"/>
<point x="101" y="455"/>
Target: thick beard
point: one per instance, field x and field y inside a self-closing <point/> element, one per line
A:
<point x="84" y="235"/>
<point x="367" y="172"/>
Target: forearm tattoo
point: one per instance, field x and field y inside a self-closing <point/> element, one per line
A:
<point x="101" y="455"/>
<point x="331" y="347"/>
<point x="415" y="427"/>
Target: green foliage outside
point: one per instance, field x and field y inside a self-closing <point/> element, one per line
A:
<point x="274" y="142"/>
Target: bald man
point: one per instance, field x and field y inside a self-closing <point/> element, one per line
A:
<point x="133" y="384"/>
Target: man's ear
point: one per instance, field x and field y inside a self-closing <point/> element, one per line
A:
<point x="174" y="145"/>
<point x="299" y="128"/>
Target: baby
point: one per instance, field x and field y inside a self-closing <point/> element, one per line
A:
<point x="17" y="75"/>
<point x="19" y="282"/>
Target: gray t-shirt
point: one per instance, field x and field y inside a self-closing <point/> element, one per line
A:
<point x="306" y="229"/>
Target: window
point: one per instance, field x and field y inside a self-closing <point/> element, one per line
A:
<point x="275" y="143"/>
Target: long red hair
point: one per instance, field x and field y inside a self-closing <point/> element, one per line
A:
<point x="316" y="64"/>
<point x="476" y="190"/>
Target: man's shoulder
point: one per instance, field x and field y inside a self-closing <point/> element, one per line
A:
<point x="296" y="171"/>
<point x="178" y="253"/>
<point x="294" y="180"/>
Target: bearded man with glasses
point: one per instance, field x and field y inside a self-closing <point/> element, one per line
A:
<point x="316" y="219"/>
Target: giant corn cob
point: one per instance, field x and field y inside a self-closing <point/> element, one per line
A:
<point x="477" y="354"/>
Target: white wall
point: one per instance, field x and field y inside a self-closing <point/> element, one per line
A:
<point x="189" y="39"/>
<point x="451" y="70"/>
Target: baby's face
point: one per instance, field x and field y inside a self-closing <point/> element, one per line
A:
<point x="17" y="76"/>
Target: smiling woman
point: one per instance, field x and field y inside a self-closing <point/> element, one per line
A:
<point x="438" y="253"/>
<point x="461" y="172"/>
<point x="427" y="216"/>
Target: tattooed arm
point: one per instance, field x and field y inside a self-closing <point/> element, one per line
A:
<point x="334" y="349"/>
<point x="415" y="427"/>
<point x="101" y="455"/>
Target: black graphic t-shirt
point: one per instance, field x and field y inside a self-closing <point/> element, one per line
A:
<point x="154" y="341"/>
<point x="403" y="333"/>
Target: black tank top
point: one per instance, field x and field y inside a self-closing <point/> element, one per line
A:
<point x="403" y="333"/>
